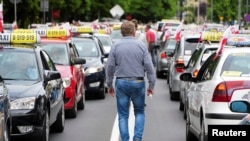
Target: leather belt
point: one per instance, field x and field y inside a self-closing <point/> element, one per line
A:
<point x="131" y="78"/>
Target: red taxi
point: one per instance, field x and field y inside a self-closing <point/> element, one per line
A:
<point x="58" y="44"/>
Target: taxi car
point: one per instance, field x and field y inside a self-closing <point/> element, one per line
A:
<point x="58" y="44"/>
<point x="34" y="85"/>
<point x="184" y="49"/>
<point x="105" y="40"/>
<point x="222" y="79"/>
<point x="91" y="49"/>
<point x="163" y="57"/>
<point x="5" y="124"/>
<point x="201" y="53"/>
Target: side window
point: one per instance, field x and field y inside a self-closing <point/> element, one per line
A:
<point x="101" y="46"/>
<point x="177" y="48"/>
<point x="205" y="69"/>
<point x="73" y="53"/>
<point x="47" y="62"/>
<point x="209" y="71"/>
<point x="194" y="58"/>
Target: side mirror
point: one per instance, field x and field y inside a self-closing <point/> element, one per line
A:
<point x="79" y="61"/>
<point x="52" y="75"/>
<point x="240" y="106"/>
<point x="186" y="77"/>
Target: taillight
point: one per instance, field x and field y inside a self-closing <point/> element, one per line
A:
<point x="180" y="70"/>
<point x="224" y="91"/>
<point x="163" y="55"/>
<point x="179" y="65"/>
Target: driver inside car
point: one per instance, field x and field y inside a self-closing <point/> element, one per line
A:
<point x="24" y="69"/>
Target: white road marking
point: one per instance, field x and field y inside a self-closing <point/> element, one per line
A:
<point x="115" y="135"/>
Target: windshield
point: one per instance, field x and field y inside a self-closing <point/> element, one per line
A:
<point x="58" y="53"/>
<point x="18" y="65"/>
<point x="87" y="48"/>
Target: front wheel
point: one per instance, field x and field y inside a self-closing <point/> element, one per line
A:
<point x="46" y="128"/>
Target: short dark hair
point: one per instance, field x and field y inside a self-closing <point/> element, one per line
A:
<point x="135" y="22"/>
<point x="148" y="26"/>
<point x="127" y="28"/>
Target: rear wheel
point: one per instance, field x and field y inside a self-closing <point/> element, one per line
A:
<point x="58" y="126"/>
<point x="181" y="105"/>
<point x="81" y="103"/>
<point x="72" y="113"/>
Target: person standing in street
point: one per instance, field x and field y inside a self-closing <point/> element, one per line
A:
<point x="129" y="62"/>
<point x="151" y="42"/>
<point x="139" y="34"/>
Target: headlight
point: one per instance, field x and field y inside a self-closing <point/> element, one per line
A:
<point x="93" y="70"/>
<point x="23" y="103"/>
<point x="66" y="82"/>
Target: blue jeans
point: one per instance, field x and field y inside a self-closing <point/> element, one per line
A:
<point x="126" y="91"/>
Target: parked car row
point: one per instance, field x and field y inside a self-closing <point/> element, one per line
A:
<point x="45" y="76"/>
<point x="210" y="78"/>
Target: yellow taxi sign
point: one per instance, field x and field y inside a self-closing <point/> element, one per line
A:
<point x="24" y="31"/>
<point x="55" y="33"/>
<point x="19" y="38"/>
<point x="81" y="29"/>
<point x="28" y="38"/>
<point x="102" y="31"/>
<point x="116" y="27"/>
<point x="211" y="36"/>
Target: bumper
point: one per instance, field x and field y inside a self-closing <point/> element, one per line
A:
<point x="69" y="97"/>
<point x="32" y="122"/>
<point x="94" y="82"/>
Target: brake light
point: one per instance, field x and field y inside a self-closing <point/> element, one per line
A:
<point x="179" y="61"/>
<point x="163" y="55"/>
<point x="224" y="91"/>
<point x="179" y="65"/>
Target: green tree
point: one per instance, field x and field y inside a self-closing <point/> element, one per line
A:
<point x="228" y="9"/>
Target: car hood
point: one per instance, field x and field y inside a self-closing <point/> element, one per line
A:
<point x="65" y="71"/>
<point x="17" y="89"/>
<point x="92" y="62"/>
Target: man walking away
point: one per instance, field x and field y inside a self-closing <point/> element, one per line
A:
<point x="129" y="62"/>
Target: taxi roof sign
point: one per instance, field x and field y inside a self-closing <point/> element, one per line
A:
<point x="48" y="33"/>
<point x="19" y="38"/>
<point x="238" y="40"/>
<point x="82" y="29"/>
<point x="211" y="36"/>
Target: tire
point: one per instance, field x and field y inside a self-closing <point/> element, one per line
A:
<point x="185" y="112"/>
<point x="58" y="125"/>
<point x="72" y="113"/>
<point x="189" y="135"/>
<point x="202" y="135"/>
<point x="181" y="105"/>
<point x="173" y="95"/>
<point x="7" y="133"/>
<point x="46" y="129"/>
<point x="81" y="103"/>
<point x="158" y="74"/>
<point x="101" y="94"/>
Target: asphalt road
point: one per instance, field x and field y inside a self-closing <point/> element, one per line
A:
<point x="97" y="122"/>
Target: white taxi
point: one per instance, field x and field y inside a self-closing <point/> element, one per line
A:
<point x="223" y="78"/>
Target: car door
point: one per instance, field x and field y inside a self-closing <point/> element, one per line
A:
<point x="54" y="86"/>
<point x="199" y="90"/>
<point x="77" y="70"/>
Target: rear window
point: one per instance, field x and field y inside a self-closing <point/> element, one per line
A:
<point x="236" y="64"/>
<point x="190" y="45"/>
